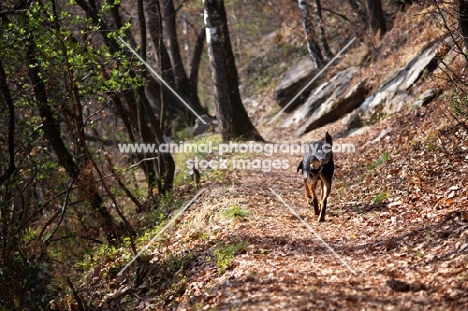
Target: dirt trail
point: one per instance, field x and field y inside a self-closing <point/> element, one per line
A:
<point x="406" y="250"/>
<point x="397" y="215"/>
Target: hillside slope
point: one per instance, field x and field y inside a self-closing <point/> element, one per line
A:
<point x="397" y="216"/>
<point x="395" y="236"/>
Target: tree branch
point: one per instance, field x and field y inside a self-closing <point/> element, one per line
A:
<point x="11" y="125"/>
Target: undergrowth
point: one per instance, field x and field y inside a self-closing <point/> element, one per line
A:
<point x="225" y="253"/>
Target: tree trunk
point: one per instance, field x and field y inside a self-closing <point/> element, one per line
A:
<point x="186" y="41"/>
<point x="234" y="122"/>
<point x="11" y="125"/>
<point x="170" y="33"/>
<point x="142" y="26"/>
<point x="463" y="20"/>
<point x="165" y="163"/>
<point x="169" y="104"/>
<point x="359" y="11"/>
<point x="152" y="173"/>
<point x="326" y="52"/>
<point x="154" y="24"/>
<point x="140" y="107"/>
<point x="312" y="46"/>
<point x="52" y="133"/>
<point x="195" y="63"/>
<point x="181" y="80"/>
<point x="376" y="17"/>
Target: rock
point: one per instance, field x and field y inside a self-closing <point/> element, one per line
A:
<point x="393" y="95"/>
<point x="328" y="102"/>
<point x="200" y="128"/>
<point x="293" y="81"/>
<point x="425" y="98"/>
<point x="378" y="138"/>
<point x="342" y="101"/>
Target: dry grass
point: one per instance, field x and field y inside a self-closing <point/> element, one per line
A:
<point x="209" y="214"/>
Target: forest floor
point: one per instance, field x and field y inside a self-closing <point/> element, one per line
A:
<point x="397" y="216"/>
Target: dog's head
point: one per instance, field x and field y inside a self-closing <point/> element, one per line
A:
<point x="317" y="154"/>
<point x="322" y="153"/>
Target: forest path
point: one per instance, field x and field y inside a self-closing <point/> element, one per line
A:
<point x="400" y="232"/>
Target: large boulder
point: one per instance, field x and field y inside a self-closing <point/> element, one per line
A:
<point x="334" y="107"/>
<point x="425" y="98"/>
<point x="293" y="81"/>
<point x="328" y="102"/>
<point x="394" y="95"/>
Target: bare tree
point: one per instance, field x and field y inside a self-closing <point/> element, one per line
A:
<point x="463" y="20"/>
<point x="195" y="63"/>
<point x="234" y="123"/>
<point x="6" y="96"/>
<point x="326" y="52"/>
<point x="312" y="46"/>
<point x="52" y="134"/>
<point x="376" y="17"/>
<point x="357" y="7"/>
<point x="170" y="34"/>
<point x="181" y="79"/>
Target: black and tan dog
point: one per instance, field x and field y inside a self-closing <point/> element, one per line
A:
<point x="316" y="165"/>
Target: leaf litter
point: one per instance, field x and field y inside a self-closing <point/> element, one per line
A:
<point x="409" y="247"/>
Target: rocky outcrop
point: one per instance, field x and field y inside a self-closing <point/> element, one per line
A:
<point x="394" y="95"/>
<point x="340" y="95"/>
<point x="335" y="107"/>
<point x="425" y="98"/>
<point x="328" y="102"/>
<point x="293" y="81"/>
